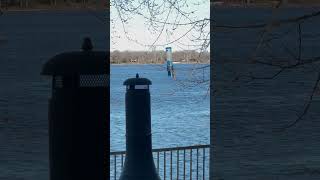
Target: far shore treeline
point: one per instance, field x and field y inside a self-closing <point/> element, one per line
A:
<point x="158" y="57"/>
<point x="103" y="4"/>
<point x="52" y="4"/>
<point x="268" y="1"/>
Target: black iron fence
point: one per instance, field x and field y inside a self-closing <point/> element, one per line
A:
<point x="185" y="163"/>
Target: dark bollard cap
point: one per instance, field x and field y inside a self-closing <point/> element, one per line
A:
<point x="137" y="81"/>
<point x="87" y="44"/>
<point x="77" y="62"/>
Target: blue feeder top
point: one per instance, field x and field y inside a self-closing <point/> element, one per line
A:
<point x="137" y="81"/>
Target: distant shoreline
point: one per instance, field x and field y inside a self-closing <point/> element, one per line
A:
<point x="45" y="10"/>
<point x="90" y="6"/>
<point x="58" y="7"/>
<point x="265" y="5"/>
<point x="121" y="64"/>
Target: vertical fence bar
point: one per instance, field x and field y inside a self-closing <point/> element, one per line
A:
<point x="197" y="163"/>
<point x="171" y="165"/>
<point x="190" y="164"/>
<point x="158" y="161"/>
<point x="177" y="164"/>
<point x="184" y="164"/>
<point x="121" y="161"/>
<point x="164" y="165"/>
<point x="115" y="167"/>
<point x="203" y="163"/>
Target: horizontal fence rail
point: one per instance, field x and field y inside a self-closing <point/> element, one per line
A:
<point x="185" y="163"/>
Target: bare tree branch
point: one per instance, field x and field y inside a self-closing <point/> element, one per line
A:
<point x="306" y="108"/>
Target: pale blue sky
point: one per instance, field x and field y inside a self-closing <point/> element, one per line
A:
<point x="137" y="29"/>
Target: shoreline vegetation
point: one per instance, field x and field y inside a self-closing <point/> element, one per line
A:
<point x="158" y="57"/>
<point x="46" y="5"/>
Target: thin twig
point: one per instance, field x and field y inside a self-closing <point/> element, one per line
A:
<point x="306" y="108"/>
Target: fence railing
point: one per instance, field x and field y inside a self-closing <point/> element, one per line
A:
<point x="185" y="163"/>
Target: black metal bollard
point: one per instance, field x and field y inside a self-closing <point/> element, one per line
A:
<point x="78" y="115"/>
<point x="139" y="164"/>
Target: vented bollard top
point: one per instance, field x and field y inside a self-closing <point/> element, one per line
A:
<point x="86" y="61"/>
<point x="137" y="83"/>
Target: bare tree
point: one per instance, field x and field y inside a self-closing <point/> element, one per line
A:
<point x="178" y="21"/>
<point x="271" y="32"/>
<point x="165" y="17"/>
<point x="275" y="32"/>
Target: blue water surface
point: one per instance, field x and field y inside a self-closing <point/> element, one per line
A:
<point x="179" y="108"/>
